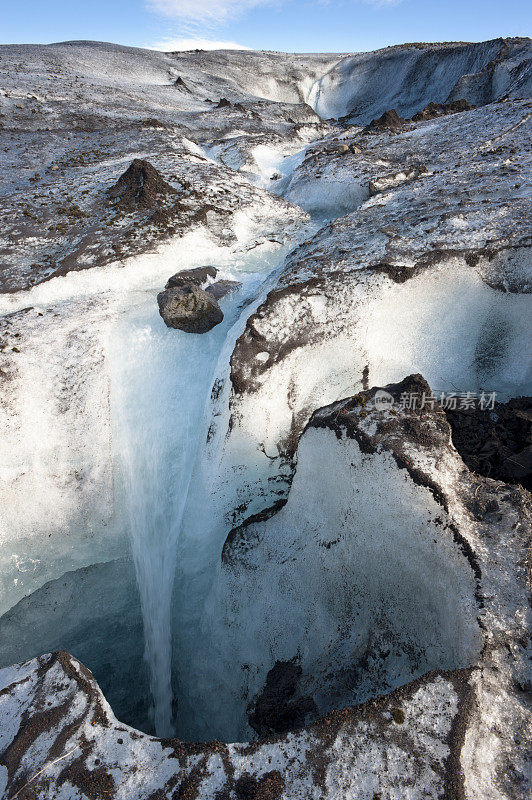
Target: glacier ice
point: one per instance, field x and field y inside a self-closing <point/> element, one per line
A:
<point x="406" y="603"/>
<point x="169" y="515"/>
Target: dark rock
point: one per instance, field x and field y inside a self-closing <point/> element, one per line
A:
<point x="398" y="715"/>
<point x="412" y="385"/>
<point x="441" y="109"/>
<point x="189" y="309"/>
<point x="221" y="288"/>
<point x="496" y="443"/>
<point x="140" y="186"/>
<point x="180" y="84"/>
<point x="191" y="277"/>
<point x="389" y="121"/>
<point x="275" y="710"/>
<point x="224" y="103"/>
<point x="342" y="149"/>
<point x="152" y="122"/>
<point x="239" y="107"/>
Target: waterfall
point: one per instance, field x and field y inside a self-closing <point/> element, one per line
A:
<point x="160" y="379"/>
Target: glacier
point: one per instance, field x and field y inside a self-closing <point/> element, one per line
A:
<point x="222" y="538"/>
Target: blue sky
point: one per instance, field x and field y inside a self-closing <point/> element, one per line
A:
<point x="298" y="25"/>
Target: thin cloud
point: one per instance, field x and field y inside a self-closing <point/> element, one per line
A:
<point x="171" y="45"/>
<point x="214" y="12"/>
<point x="382" y="3"/>
<point x="205" y="11"/>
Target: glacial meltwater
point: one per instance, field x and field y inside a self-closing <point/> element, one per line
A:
<point x="115" y="615"/>
<point x="160" y="383"/>
<point x="160" y="379"/>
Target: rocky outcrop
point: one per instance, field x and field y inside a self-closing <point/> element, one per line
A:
<point x="495" y="441"/>
<point x="141" y="186"/>
<point x="189" y="309"/>
<point x="389" y="121"/>
<point x="441" y="109"/>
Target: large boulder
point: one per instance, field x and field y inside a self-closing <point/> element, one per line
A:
<point x="389" y="121"/>
<point x="189" y="277"/>
<point x="189" y="308"/>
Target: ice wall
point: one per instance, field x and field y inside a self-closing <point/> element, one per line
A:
<point x="408" y="77"/>
<point x="358" y="578"/>
<point x="445" y="322"/>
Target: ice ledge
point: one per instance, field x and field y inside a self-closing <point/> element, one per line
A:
<point x="61" y="740"/>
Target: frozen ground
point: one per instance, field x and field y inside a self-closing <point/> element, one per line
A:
<point x="197" y="517"/>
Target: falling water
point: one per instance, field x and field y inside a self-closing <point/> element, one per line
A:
<point x="160" y="381"/>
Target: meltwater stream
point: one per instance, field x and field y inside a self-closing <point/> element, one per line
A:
<point x="160" y="381"/>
